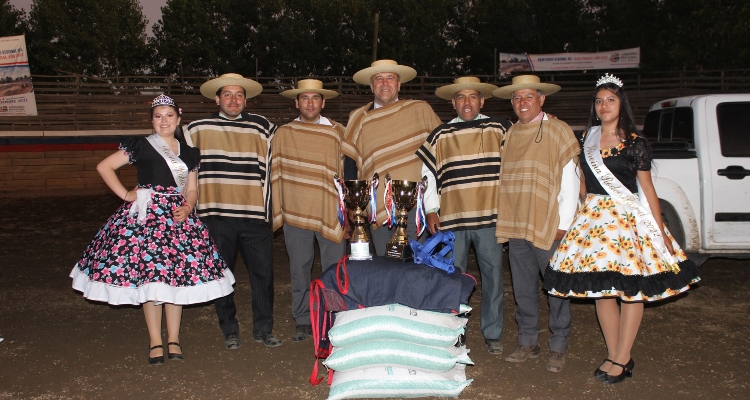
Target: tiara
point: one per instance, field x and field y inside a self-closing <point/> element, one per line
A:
<point x="607" y="78"/>
<point x="162" y="100"/>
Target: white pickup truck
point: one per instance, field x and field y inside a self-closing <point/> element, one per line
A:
<point x="701" y="171"/>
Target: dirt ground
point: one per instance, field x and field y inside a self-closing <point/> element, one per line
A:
<point x="58" y="345"/>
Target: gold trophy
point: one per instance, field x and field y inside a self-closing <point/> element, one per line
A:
<point x="357" y="195"/>
<point x="403" y="196"/>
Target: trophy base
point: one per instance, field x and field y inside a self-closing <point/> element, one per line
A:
<point x="401" y="252"/>
<point x="360" y="251"/>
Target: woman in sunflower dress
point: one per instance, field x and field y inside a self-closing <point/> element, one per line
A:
<point x="154" y="250"/>
<point x="617" y="247"/>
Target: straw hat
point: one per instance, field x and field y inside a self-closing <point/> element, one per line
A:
<point x="405" y="73"/>
<point x="465" y="83"/>
<point x="252" y="88"/>
<point x="307" y="86"/>
<point x="525" y="82"/>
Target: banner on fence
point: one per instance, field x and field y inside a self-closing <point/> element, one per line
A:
<point x="627" y="58"/>
<point x="16" y="90"/>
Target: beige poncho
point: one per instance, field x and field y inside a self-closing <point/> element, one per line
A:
<point x="385" y="140"/>
<point x="305" y="159"/>
<point x="533" y="161"/>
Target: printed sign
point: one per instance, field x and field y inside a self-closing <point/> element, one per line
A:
<point x="16" y="89"/>
<point x="627" y="58"/>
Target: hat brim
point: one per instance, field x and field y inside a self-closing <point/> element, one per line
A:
<point x="252" y="88"/>
<point x="506" y="92"/>
<point x="292" y="93"/>
<point x="405" y="73"/>
<point x="446" y="92"/>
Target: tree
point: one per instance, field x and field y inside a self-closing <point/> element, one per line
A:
<point x="417" y="33"/>
<point x="192" y="39"/>
<point x="512" y="26"/>
<point x="12" y="21"/>
<point x="88" y="37"/>
<point x="701" y="35"/>
<point x="317" y="37"/>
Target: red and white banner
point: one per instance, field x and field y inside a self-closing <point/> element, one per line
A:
<point x="627" y="58"/>
<point x="16" y="89"/>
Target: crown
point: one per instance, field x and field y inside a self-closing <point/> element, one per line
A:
<point x="607" y="78"/>
<point x="162" y="100"/>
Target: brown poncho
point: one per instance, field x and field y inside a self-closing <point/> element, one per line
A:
<point x="305" y="159"/>
<point x="385" y="140"/>
<point x="533" y="161"/>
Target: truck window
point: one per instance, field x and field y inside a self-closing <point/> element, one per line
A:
<point x="670" y="125"/>
<point x="734" y="128"/>
<point x="665" y="126"/>
<point x="651" y="126"/>
<point x="682" y="128"/>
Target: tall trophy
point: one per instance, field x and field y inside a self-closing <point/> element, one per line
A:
<point x="400" y="197"/>
<point x="357" y="195"/>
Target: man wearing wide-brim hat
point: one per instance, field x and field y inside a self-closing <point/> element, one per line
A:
<point x="234" y="197"/>
<point x="306" y="155"/>
<point x="462" y="163"/>
<point x="383" y="135"/>
<point x="539" y="189"/>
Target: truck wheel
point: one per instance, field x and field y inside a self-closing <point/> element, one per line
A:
<point x="672" y="221"/>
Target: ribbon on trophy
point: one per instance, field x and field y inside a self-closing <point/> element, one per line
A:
<point x="421" y="222"/>
<point x="339" y="183"/>
<point x="374" y="199"/>
<point x="390" y="205"/>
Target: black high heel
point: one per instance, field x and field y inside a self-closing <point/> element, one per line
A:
<point x="627" y="372"/>
<point x="598" y="373"/>
<point x="175" y="356"/>
<point x="155" y="360"/>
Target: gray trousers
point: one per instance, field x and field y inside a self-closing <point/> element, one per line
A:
<point x="490" y="259"/>
<point x="300" y="247"/>
<point x="526" y="264"/>
<point x="381" y="236"/>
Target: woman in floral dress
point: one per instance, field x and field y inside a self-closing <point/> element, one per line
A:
<point x="154" y="251"/>
<point x="617" y="247"/>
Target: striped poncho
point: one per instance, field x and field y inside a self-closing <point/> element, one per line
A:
<point x="235" y="155"/>
<point x="384" y="140"/>
<point x="465" y="159"/>
<point x="305" y="159"/>
<point x="533" y="159"/>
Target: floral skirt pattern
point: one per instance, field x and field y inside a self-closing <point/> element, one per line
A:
<point x="604" y="255"/>
<point x="160" y="260"/>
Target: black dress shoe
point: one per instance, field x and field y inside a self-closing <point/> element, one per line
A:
<point x="232" y="341"/>
<point x="627" y="372"/>
<point x="267" y="338"/>
<point x="598" y="373"/>
<point x="301" y="333"/>
<point x="155" y="360"/>
<point x="175" y="356"/>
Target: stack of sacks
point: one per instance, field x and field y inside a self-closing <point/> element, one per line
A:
<point x="397" y="351"/>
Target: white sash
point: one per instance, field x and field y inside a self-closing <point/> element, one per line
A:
<point x="635" y="204"/>
<point x="179" y="172"/>
<point x="176" y="165"/>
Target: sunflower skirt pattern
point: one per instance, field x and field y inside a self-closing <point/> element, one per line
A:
<point x="604" y="255"/>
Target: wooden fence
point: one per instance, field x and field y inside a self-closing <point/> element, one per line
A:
<point x="77" y="103"/>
